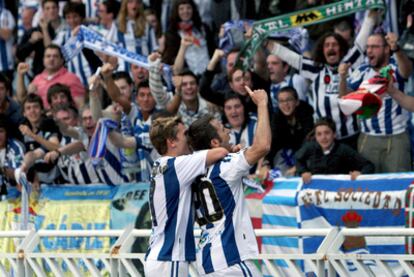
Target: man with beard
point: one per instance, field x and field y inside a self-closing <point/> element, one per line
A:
<point x="329" y="51"/>
<point x="227" y="246"/>
<point x="384" y="139"/>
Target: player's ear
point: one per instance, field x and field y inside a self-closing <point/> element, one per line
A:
<point x="215" y="143"/>
<point x="170" y="142"/>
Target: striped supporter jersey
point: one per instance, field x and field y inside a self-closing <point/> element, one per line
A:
<point x="170" y="202"/>
<point x="227" y="233"/>
<point x="325" y="89"/>
<point x="78" y="65"/>
<point x="81" y="170"/>
<point x="391" y="118"/>
<point x="7" y="22"/>
<point x="77" y="169"/>
<point x="296" y="81"/>
<point x="109" y="170"/>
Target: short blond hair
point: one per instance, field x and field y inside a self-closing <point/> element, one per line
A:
<point x="164" y="128"/>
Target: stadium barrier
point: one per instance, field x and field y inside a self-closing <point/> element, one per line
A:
<point x="328" y="260"/>
<point x="95" y="230"/>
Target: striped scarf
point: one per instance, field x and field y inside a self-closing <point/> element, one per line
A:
<point x="97" y="146"/>
<point x="93" y="40"/>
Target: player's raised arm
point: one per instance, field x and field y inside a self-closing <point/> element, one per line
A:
<point x="263" y="137"/>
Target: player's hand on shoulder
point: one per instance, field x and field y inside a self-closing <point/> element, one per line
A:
<point x="236" y="148"/>
<point x="216" y="154"/>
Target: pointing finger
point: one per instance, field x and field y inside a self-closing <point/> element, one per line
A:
<point x="249" y="91"/>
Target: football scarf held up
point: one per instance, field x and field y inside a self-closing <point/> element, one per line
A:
<point x="93" y="40"/>
<point x="315" y="15"/>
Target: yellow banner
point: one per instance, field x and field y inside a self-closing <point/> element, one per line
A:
<point x="74" y="215"/>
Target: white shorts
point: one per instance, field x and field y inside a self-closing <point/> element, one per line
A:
<point x="243" y="269"/>
<point x="166" y="269"/>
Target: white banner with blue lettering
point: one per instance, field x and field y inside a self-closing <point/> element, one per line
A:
<point x="336" y="201"/>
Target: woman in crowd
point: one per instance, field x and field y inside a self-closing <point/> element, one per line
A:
<point x="138" y="36"/>
<point x="196" y="39"/>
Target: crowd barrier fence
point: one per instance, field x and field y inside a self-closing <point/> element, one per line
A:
<point x="328" y="260"/>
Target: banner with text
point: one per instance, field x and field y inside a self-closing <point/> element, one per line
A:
<point x="371" y="201"/>
<point x="314" y="15"/>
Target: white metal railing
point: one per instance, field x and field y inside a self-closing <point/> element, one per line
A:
<point x="328" y="260"/>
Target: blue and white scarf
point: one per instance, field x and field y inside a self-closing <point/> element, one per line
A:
<point x="233" y="34"/>
<point x="91" y="39"/>
<point x="97" y="146"/>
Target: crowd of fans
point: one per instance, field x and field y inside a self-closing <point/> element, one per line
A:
<point x="50" y="108"/>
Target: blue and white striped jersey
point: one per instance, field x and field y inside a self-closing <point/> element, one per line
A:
<point x="28" y="4"/>
<point x="325" y="89"/>
<point x="64" y="161"/>
<point x="227" y="235"/>
<point x="196" y="56"/>
<point x="391" y="118"/>
<point x="246" y="135"/>
<point x="77" y="169"/>
<point x="79" y="65"/>
<point x="170" y="200"/>
<point x="81" y="170"/>
<point x="296" y="81"/>
<point x="143" y="45"/>
<point x="6" y="46"/>
<point x="141" y="129"/>
<point x="91" y="7"/>
<point x="11" y="157"/>
<point x="114" y="35"/>
<point x="110" y="170"/>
